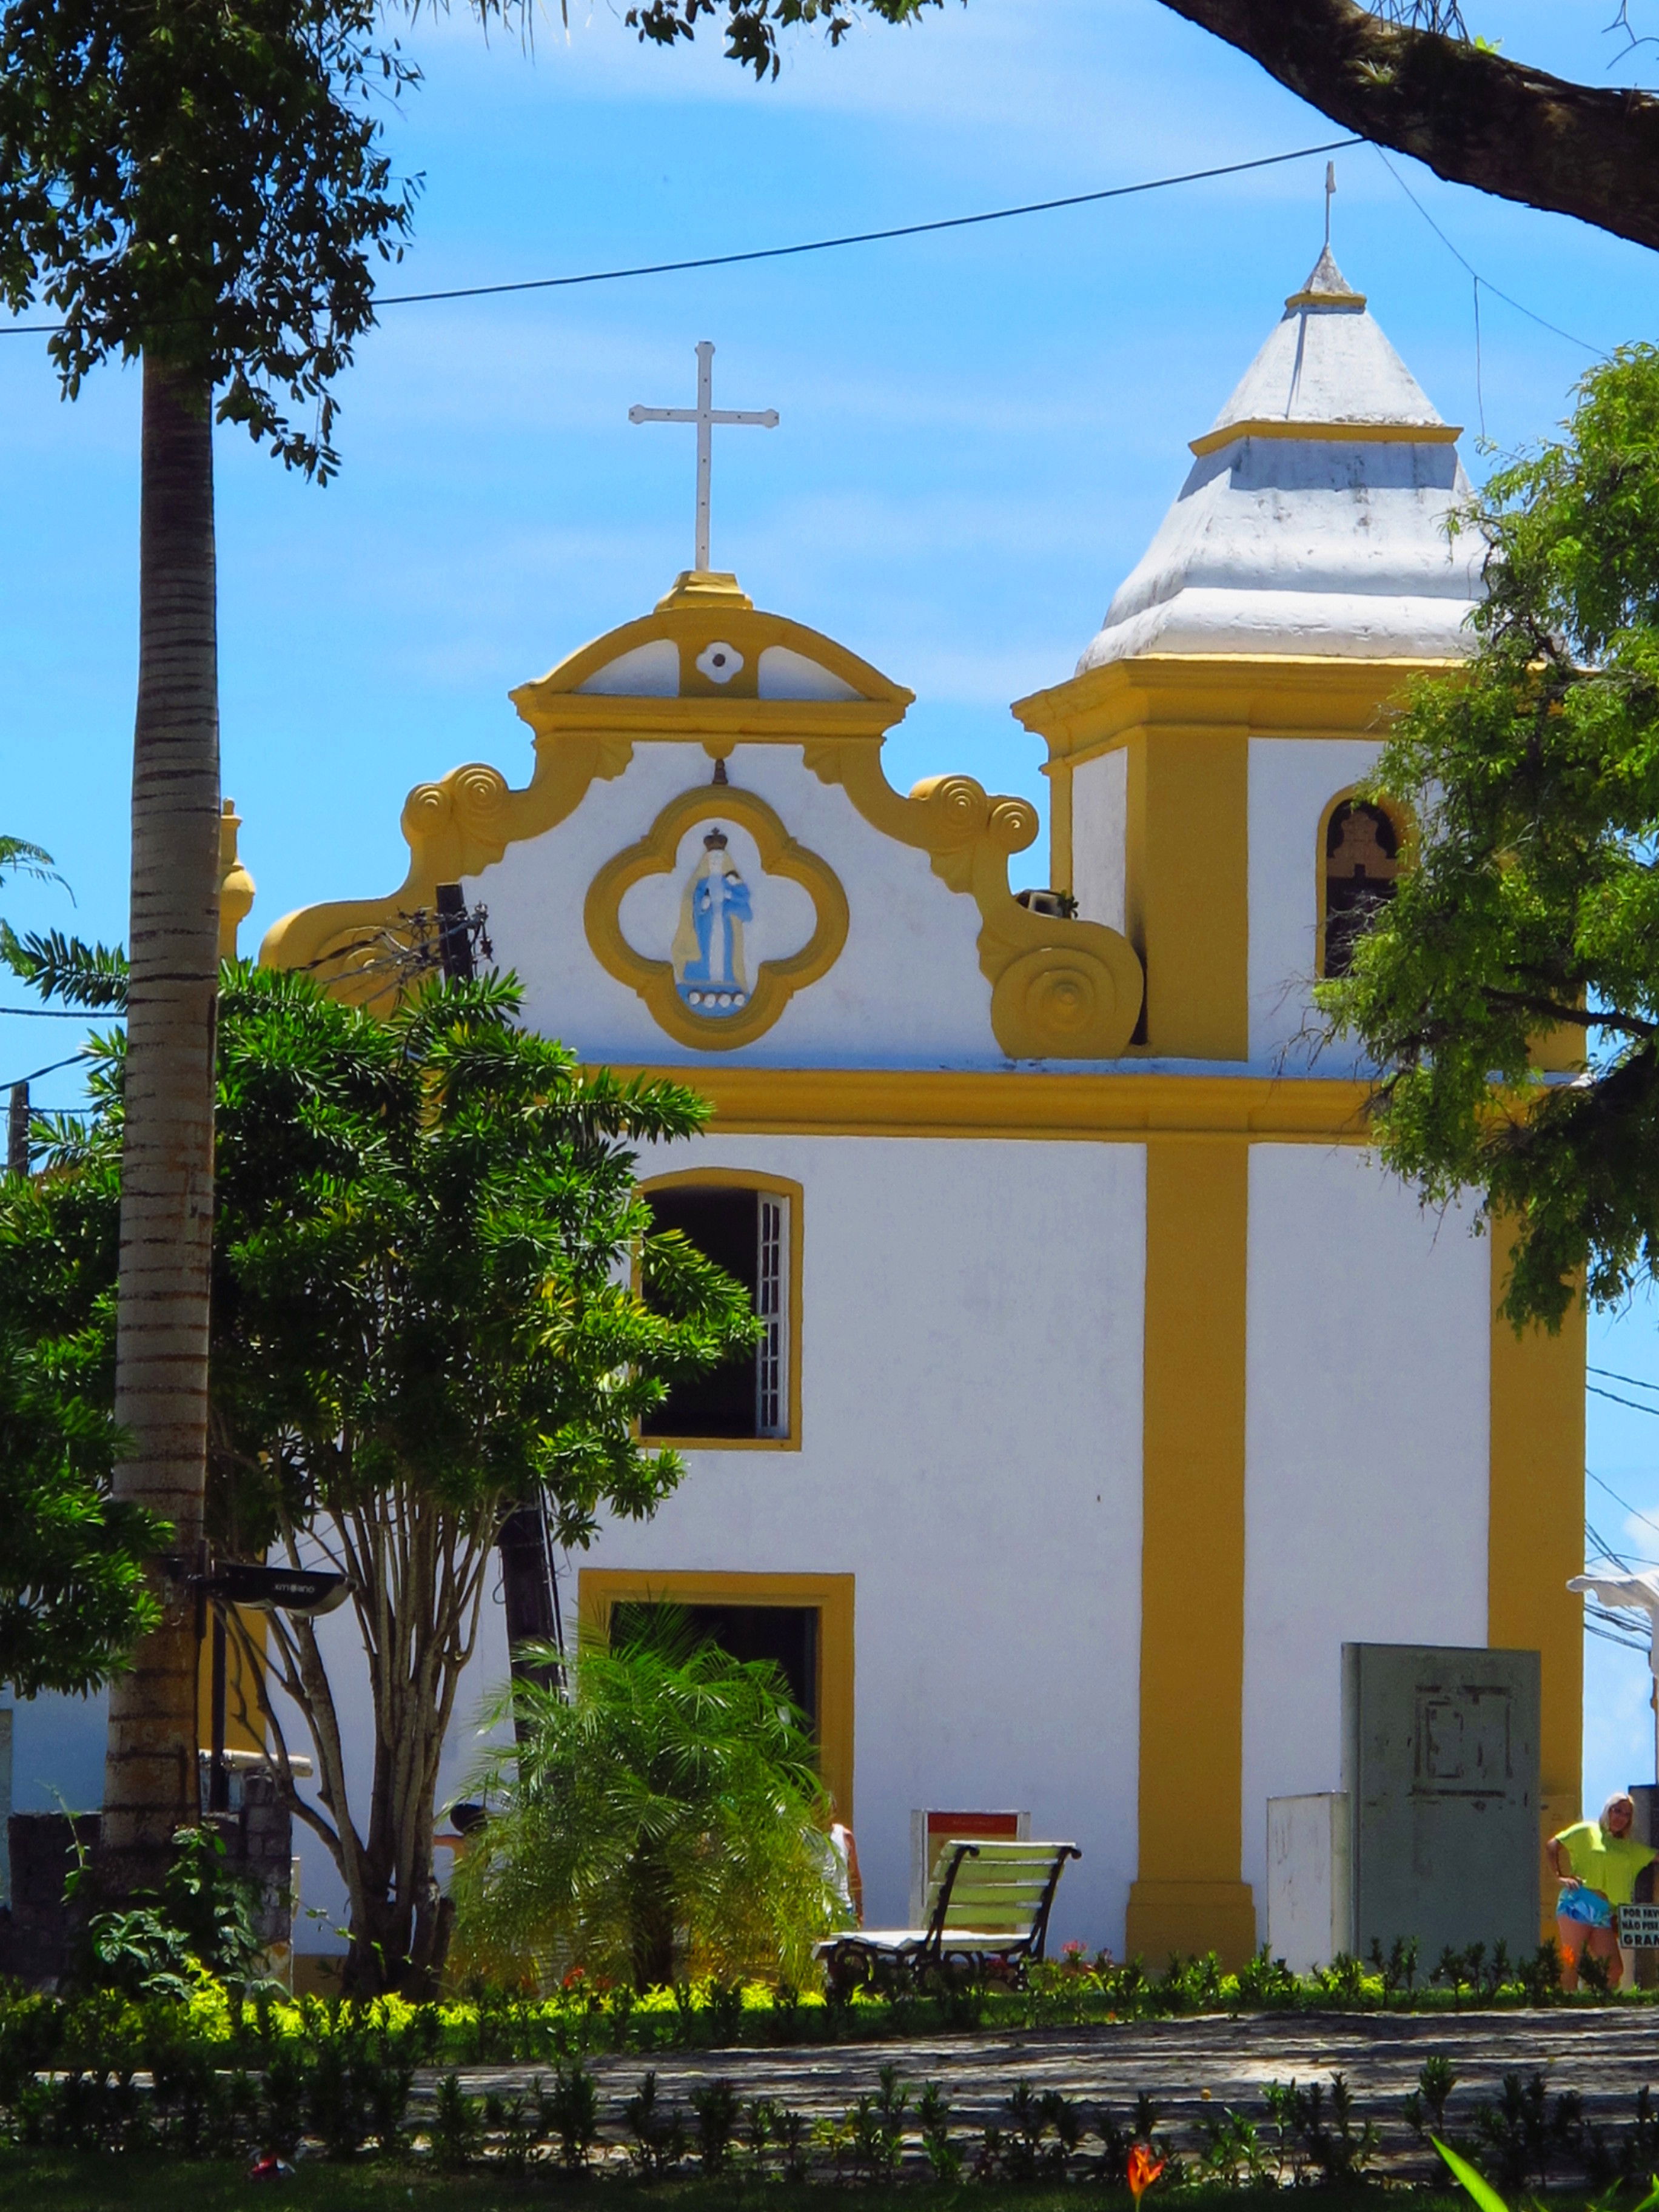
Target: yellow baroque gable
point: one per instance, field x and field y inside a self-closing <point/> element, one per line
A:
<point x="697" y="668"/>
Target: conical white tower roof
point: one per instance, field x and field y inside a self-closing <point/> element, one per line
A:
<point x="1314" y="517"/>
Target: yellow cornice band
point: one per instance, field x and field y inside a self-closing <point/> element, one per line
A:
<point x="1032" y="1103"/>
<point x="1347" y="433"/>
<point x="1219" y="695"/>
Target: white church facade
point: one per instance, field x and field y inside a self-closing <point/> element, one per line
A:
<point x="1109" y="1386"/>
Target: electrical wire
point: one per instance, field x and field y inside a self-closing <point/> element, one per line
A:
<point x="1610" y="1375"/>
<point x="1596" y="1391"/>
<point x="66" y="1013"/>
<point x="75" y="1060"/>
<point x="812" y="245"/>
<point x="1542" y="321"/>
<point x="1646" y="1521"/>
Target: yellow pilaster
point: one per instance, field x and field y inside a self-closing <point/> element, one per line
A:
<point x="1188" y="1897"/>
<point x="1186" y="885"/>
<point x="1535" y="1531"/>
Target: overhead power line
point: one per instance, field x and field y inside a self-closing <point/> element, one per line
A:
<point x="813" y="245"/>
<point x="75" y="1060"/>
<point x="1477" y="279"/>
<point x="1630" y="1508"/>
<point x="1635" y="1404"/>
<point x="869" y="237"/>
<point x="1634" y="1381"/>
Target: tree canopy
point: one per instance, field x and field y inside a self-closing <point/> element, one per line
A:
<point x="206" y="184"/>
<point x="1526" y="926"/>
<point x="73" y="1598"/>
<point x="424" y="1313"/>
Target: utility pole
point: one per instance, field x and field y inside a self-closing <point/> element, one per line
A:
<point x="529" y="1594"/>
<point x="17" y="1131"/>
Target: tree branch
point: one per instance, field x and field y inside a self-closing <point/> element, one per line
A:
<point x="1475" y="117"/>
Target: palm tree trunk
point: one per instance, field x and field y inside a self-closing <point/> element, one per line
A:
<point x="167" y="1167"/>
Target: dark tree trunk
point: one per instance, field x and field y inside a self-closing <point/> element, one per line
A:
<point x="150" y="1785"/>
<point x="1474" y="116"/>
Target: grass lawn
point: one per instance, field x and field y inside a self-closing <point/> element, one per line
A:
<point x="52" y="2181"/>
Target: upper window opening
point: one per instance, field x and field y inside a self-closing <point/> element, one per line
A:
<point x="1362" y="861"/>
<point x="745" y="1231"/>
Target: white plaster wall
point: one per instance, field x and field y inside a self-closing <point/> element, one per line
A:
<point x="1366" y="1451"/>
<point x="1100" y="830"/>
<point x="1293" y="780"/>
<point x="907" y="990"/>
<point x="971" y="1452"/>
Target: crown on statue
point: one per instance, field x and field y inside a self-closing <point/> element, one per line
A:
<point x="715" y="840"/>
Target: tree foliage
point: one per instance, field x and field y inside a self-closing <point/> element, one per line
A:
<point x="73" y="1599"/>
<point x="663" y="1821"/>
<point x="424" y="1316"/>
<point x="750" y="28"/>
<point x="206" y="184"/>
<point x="1531" y="910"/>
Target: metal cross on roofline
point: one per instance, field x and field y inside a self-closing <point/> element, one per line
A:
<point x="705" y="415"/>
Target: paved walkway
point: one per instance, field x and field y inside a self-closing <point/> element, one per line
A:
<point x="1191" y="2067"/>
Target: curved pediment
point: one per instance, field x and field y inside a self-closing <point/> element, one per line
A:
<point x="706" y="659"/>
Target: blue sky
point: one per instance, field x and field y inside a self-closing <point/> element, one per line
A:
<point x="980" y="432"/>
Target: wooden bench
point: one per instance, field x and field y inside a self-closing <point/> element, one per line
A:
<point x="989" y="1904"/>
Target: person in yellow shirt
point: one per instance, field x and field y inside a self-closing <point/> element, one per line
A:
<point x="1598" y="1862"/>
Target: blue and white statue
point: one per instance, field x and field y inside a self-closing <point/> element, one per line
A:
<point x="709" y="970"/>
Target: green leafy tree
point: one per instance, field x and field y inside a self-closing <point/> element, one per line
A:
<point x="202" y="189"/>
<point x="1526" y="928"/>
<point x="73" y="1595"/>
<point x="666" y="1819"/>
<point x="425" y="1314"/>
<point x="74" y="1598"/>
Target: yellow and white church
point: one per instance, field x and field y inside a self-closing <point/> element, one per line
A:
<point x="1108" y="1385"/>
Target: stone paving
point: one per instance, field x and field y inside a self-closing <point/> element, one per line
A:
<point x="1192" y="2068"/>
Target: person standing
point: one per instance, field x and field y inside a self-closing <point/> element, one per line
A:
<point x="1597" y="1862"/>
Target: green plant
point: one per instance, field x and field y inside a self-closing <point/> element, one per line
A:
<point x="1232" y="2150"/>
<point x="1330" y="2143"/>
<point x="659" y="2131"/>
<point x="794" y="2136"/>
<point x="662" y="1820"/>
<point x="572" y="2113"/>
<point x="1263" y="1981"/>
<point x="514" y="2124"/>
<point x="1398" y="1970"/>
<point x="942" y="2152"/>
<point x="1524" y="2131"/>
<point x="716" y="2106"/>
<point x="1540" y="1976"/>
<point x="874" y="2127"/>
<point x="201" y="1922"/>
<point x="1437" y="2078"/>
<point x="1344" y="1980"/>
<point x="456" y="2129"/>
<point x="285" y="2088"/>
